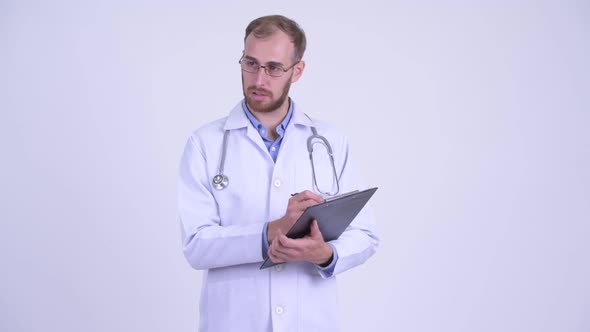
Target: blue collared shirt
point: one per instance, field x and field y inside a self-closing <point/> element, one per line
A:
<point x="273" y="149"/>
<point x="271" y="146"/>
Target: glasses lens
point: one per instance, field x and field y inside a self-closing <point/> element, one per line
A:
<point x="275" y="71"/>
<point x="249" y="66"/>
<point x="252" y="66"/>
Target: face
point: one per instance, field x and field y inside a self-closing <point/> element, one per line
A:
<point x="263" y="92"/>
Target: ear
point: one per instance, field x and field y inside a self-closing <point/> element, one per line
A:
<point x="298" y="71"/>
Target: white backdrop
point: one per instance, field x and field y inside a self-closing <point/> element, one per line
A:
<point x="471" y="116"/>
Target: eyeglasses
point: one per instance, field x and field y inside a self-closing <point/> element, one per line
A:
<point x="274" y="70"/>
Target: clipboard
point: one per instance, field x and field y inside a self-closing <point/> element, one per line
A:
<point x="333" y="216"/>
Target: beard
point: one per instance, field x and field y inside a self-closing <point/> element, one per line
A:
<point x="265" y="106"/>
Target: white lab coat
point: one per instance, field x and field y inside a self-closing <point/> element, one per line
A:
<point x="222" y="230"/>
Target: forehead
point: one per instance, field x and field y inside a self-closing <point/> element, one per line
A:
<point x="275" y="48"/>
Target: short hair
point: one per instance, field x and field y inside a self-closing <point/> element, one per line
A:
<point x="266" y="26"/>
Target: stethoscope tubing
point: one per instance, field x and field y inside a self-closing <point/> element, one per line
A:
<point x="221" y="181"/>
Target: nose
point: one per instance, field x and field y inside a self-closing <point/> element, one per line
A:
<point x="261" y="77"/>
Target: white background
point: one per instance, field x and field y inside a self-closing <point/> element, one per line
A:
<point x="471" y="116"/>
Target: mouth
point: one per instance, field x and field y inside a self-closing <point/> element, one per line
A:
<point x="259" y="94"/>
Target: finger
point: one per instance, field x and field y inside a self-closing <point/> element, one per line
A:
<point x="285" y="249"/>
<point x="274" y="253"/>
<point x="290" y="249"/>
<point x="286" y="255"/>
<point x="275" y="258"/>
<point x="281" y="245"/>
<point x="285" y="242"/>
<point x="279" y="254"/>
<point x="297" y="205"/>
<point x="302" y="205"/>
<point x="310" y="195"/>
<point x="306" y="196"/>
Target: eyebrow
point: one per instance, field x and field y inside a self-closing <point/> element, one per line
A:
<point x="272" y="63"/>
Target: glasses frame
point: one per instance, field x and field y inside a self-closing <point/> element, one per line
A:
<point x="284" y="70"/>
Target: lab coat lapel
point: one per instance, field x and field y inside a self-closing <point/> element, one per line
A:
<point x="300" y="123"/>
<point x="237" y="119"/>
<point x="293" y="158"/>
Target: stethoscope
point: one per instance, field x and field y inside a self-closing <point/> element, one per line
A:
<point x="221" y="181"/>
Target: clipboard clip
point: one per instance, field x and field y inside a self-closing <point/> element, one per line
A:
<point x="329" y="199"/>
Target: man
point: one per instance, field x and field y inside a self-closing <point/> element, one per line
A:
<point x="236" y="202"/>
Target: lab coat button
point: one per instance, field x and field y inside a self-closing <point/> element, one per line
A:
<point x="279" y="267"/>
<point x="277" y="182"/>
<point x="279" y="310"/>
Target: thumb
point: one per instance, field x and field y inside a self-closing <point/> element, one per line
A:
<point x="315" y="230"/>
<point x="280" y="236"/>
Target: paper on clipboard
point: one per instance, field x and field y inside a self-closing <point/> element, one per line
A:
<point x="333" y="216"/>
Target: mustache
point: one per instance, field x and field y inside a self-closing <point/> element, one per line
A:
<point x="259" y="90"/>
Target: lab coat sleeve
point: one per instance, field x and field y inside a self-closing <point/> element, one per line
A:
<point x="359" y="241"/>
<point x="206" y="243"/>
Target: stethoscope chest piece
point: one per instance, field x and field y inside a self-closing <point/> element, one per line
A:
<point x="220" y="181"/>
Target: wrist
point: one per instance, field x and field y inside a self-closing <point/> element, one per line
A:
<point x="273" y="229"/>
<point x="326" y="257"/>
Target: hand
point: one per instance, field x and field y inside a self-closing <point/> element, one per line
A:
<point x="311" y="248"/>
<point x="297" y="204"/>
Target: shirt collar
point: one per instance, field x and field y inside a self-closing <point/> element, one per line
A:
<point x="238" y="117"/>
<point x="280" y="128"/>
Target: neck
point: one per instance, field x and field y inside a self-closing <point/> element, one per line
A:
<point x="270" y="120"/>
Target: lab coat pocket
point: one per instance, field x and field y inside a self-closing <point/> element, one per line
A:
<point x="233" y="303"/>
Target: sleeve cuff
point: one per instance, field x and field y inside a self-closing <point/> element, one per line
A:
<point x="264" y="241"/>
<point x="328" y="271"/>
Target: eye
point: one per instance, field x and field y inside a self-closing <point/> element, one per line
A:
<point x="251" y="63"/>
<point x="275" y="68"/>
